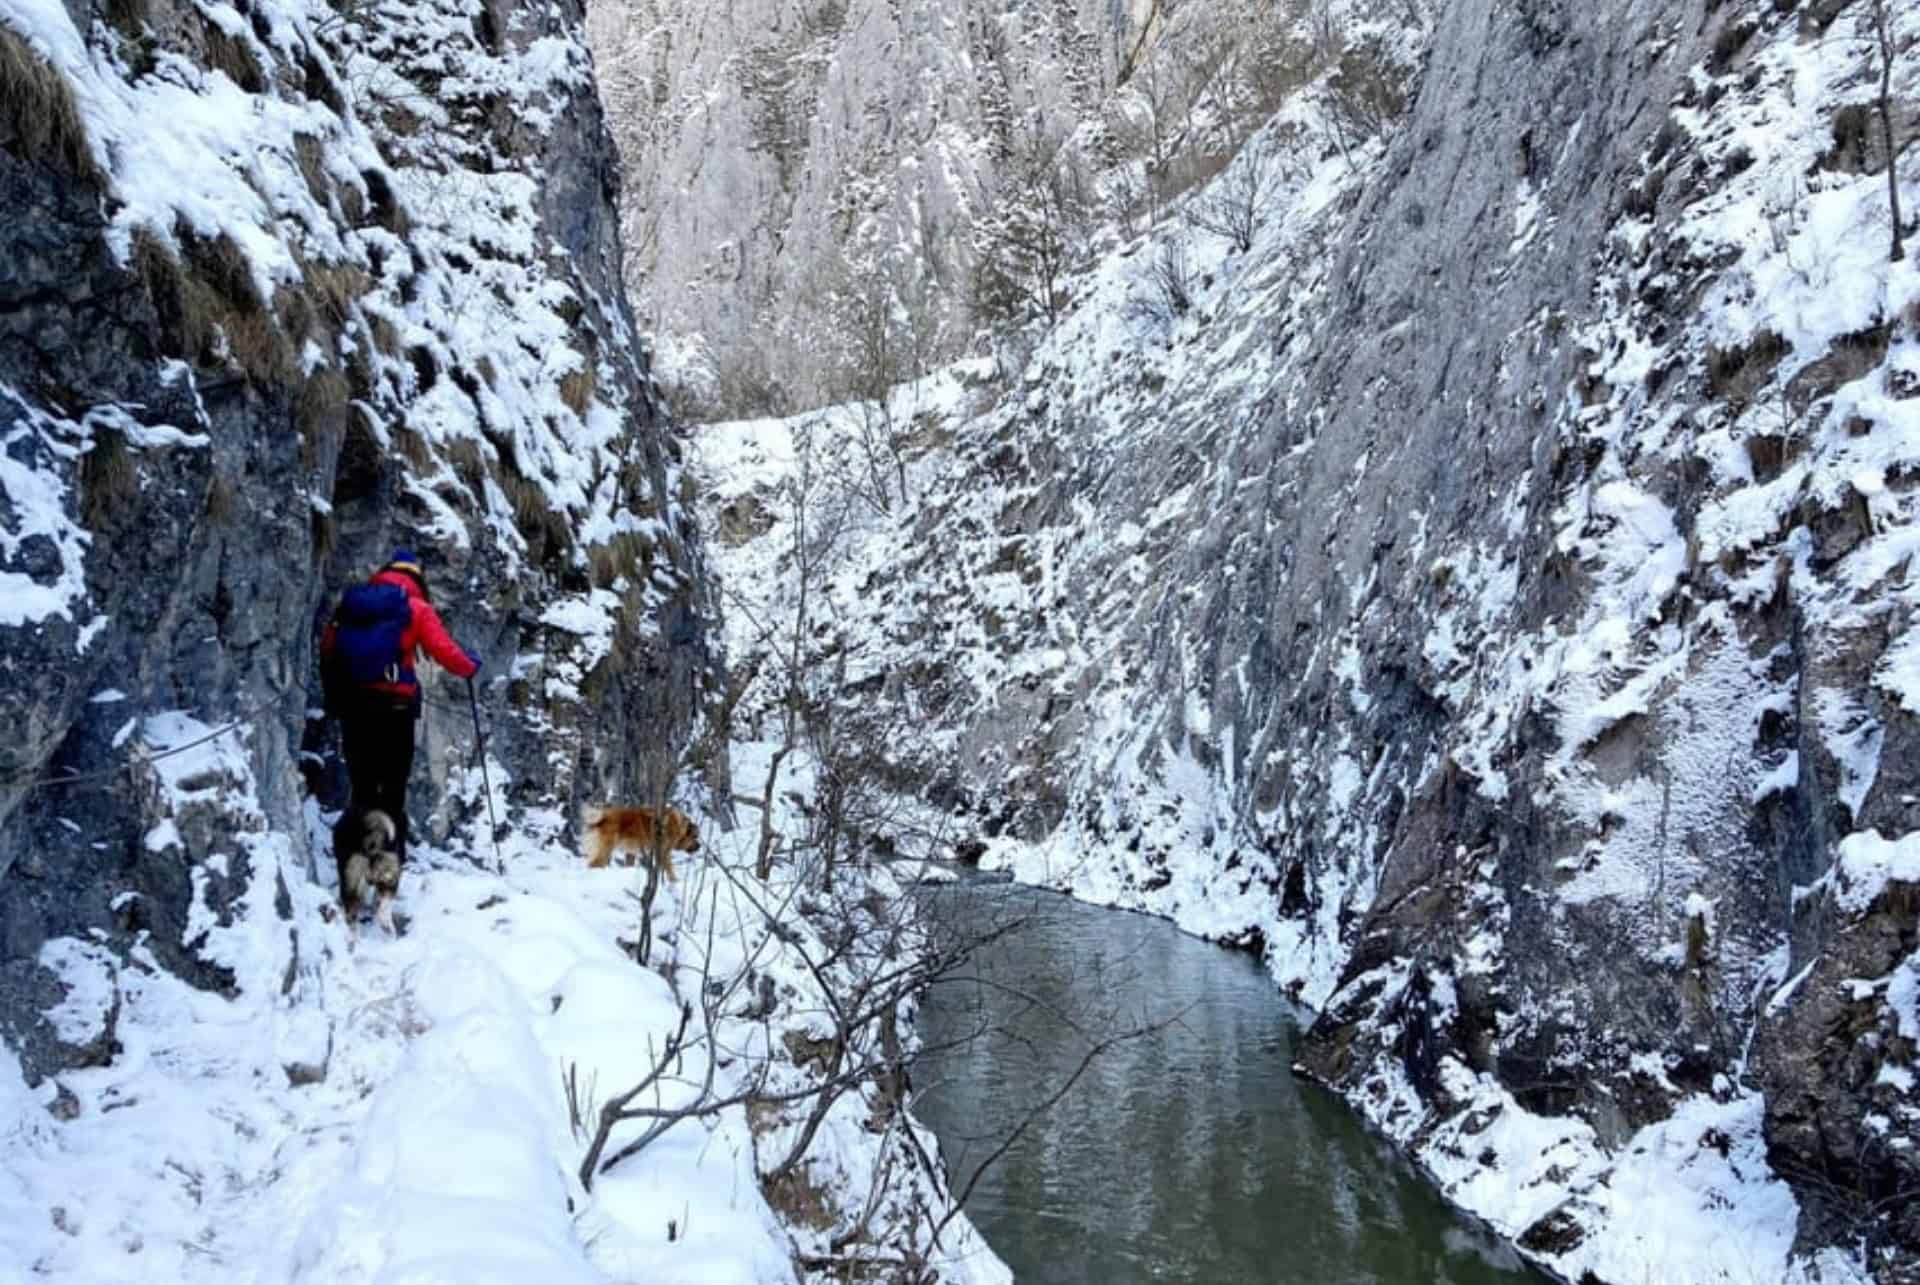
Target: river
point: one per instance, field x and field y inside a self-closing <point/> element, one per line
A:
<point x="1190" y="1153"/>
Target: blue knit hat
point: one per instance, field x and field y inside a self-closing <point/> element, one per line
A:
<point x="405" y="560"/>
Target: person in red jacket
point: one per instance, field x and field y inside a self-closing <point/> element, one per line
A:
<point x="377" y="716"/>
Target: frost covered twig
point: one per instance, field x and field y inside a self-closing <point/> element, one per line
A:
<point x="617" y="1110"/>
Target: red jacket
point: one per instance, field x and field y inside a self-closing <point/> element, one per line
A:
<point x="425" y="630"/>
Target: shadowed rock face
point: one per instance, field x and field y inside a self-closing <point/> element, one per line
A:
<point x="196" y="471"/>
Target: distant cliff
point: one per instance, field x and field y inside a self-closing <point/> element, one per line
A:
<point x="792" y="164"/>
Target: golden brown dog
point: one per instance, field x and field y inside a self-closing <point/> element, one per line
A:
<point x="641" y="832"/>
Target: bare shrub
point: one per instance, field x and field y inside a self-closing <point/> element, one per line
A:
<point x="1170" y="279"/>
<point x="1365" y="95"/>
<point x="744" y="388"/>
<point x="1235" y="206"/>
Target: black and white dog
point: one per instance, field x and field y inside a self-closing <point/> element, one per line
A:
<point x="365" y="851"/>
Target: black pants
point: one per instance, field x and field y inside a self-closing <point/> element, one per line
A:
<point x="376" y="736"/>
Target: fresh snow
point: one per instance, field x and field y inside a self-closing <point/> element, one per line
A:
<point x="437" y="1145"/>
<point x="375" y="1109"/>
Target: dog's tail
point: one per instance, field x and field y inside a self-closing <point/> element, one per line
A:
<point x="377" y="832"/>
<point x="593" y="846"/>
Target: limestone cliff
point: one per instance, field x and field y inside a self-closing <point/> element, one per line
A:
<point x="1487" y="594"/>
<point x="787" y="160"/>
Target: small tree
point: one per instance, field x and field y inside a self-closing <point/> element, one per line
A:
<point x="1170" y="278"/>
<point x="1037" y="238"/>
<point x="1162" y="133"/>
<point x="1880" y="18"/>
<point x="818" y="520"/>
<point x="887" y="347"/>
<point x="869" y="959"/>
<point x="1278" y="61"/>
<point x="1365" y="93"/>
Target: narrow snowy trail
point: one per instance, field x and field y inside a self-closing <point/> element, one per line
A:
<point x="436" y="1147"/>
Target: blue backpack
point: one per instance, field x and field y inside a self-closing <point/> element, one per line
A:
<point x="367" y="628"/>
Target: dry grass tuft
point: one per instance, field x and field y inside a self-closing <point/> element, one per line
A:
<point x="469" y="460"/>
<point x="209" y="308"/>
<point x="256" y="343"/>
<point x="544" y="526"/>
<point x="386" y="337"/>
<point x="336" y="287"/>
<point x="628" y="554"/>
<point x="578" y="387"/>
<point x="109" y="482"/>
<point x="312" y="156"/>
<point x="37" y="109"/>
<point x="234" y="57"/>
<point x="529" y="500"/>
<point x="414" y="448"/>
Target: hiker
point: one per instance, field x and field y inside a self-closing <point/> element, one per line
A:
<point x="367" y="657"/>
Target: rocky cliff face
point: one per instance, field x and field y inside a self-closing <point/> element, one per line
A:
<point x="790" y="161"/>
<point x="1488" y="595"/>
<point x="282" y="287"/>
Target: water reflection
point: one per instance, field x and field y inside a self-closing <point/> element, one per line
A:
<point x="1189" y="1154"/>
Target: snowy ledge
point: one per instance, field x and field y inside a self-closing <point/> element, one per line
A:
<point x="401" y="1108"/>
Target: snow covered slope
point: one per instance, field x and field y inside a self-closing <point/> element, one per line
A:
<point x="1488" y="596"/>
<point x="398" y="1109"/>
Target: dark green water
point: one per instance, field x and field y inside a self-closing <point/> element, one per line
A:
<point x="1189" y="1154"/>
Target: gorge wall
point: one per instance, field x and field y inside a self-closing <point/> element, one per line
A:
<point x="1489" y="596"/>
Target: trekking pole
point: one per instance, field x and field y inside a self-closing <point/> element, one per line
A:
<point x="480" y="753"/>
